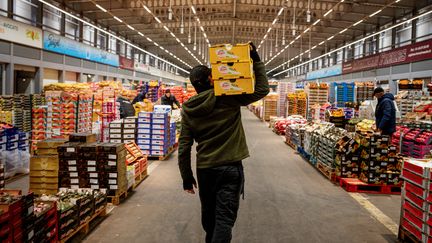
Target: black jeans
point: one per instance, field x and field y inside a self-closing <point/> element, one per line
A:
<point x="220" y="189"/>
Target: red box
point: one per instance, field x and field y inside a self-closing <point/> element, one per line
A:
<point x="417" y="201"/>
<point x="412" y="229"/>
<point x="419" y="213"/>
<point x="418" y="223"/>
<point x="418" y="191"/>
<point x="416" y="169"/>
<point x="414" y="178"/>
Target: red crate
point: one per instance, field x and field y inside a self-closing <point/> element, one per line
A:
<point x="419" y="213"/>
<point x="412" y="229"/>
<point x="418" y="191"/>
<point x="414" y="178"/>
<point x="418" y="223"/>
<point x="419" y="170"/>
<point x="417" y="201"/>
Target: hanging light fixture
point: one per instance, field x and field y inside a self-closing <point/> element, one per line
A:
<point x="271" y="47"/>
<point x="170" y="12"/>
<point x="308" y="12"/>
<point x="283" y="29"/>
<point x="276" y="41"/>
<point x="195" y="43"/>
<point x="293" y="23"/>
<point x="182" y="22"/>
<point x="189" y="34"/>
<point x="199" y="46"/>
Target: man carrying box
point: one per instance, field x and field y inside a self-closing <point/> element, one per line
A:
<point x="214" y="122"/>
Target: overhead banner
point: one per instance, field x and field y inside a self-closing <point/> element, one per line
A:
<point x="325" y="72"/>
<point x="141" y="67"/>
<point x="56" y="43"/>
<point x="126" y="63"/>
<point x="17" y="32"/>
<point x="406" y="54"/>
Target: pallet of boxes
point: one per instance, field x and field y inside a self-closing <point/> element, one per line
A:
<point x="232" y="69"/>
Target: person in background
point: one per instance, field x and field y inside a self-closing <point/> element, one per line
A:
<point x="168" y="99"/>
<point x="126" y="108"/>
<point x="215" y="124"/>
<point x="139" y="98"/>
<point x="385" y="112"/>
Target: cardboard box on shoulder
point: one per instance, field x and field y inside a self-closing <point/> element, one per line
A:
<point x="230" y="53"/>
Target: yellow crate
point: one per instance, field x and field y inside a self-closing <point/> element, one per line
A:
<point x="46" y="186"/>
<point x="43" y="179"/>
<point x="234" y="86"/>
<point x="234" y="70"/>
<point x="44" y="163"/>
<point x="44" y="191"/>
<point x="229" y="53"/>
<point x="43" y="173"/>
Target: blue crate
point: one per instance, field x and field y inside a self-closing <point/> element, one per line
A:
<point x="144" y="131"/>
<point x="144" y="125"/>
<point x="159" y="137"/>
<point x="143" y="136"/>
<point x="144" y="141"/>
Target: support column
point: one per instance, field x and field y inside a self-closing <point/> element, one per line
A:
<point x="11" y="9"/>
<point x="39" y="14"/>
<point x="10" y="79"/>
<point x="61" y="76"/>
<point x="147" y="59"/>
<point x="414" y="31"/>
<point x="38" y="81"/>
<point x="63" y="22"/>
<point x="81" y="29"/>
<point x="95" y="37"/>
<point x="393" y="41"/>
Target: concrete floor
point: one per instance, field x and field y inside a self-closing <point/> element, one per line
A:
<point x="287" y="200"/>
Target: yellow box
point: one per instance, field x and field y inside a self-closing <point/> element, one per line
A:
<point x="44" y="191"/>
<point x="43" y="173"/>
<point x="44" y="163"/>
<point x="47" y="186"/>
<point x="43" y="179"/>
<point x="230" y="53"/>
<point x="234" y="86"/>
<point x="232" y="70"/>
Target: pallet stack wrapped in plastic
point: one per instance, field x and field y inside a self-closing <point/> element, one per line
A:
<point x="364" y="91"/>
<point x="153" y="133"/>
<point x="270" y="106"/>
<point x="317" y="95"/>
<point x="283" y="89"/>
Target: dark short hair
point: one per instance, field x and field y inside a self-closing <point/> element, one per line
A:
<point x="167" y="91"/>
<point x="199" y="77"/>
<point x="378" y="90"/>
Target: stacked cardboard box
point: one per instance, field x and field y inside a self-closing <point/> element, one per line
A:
<point x="232" y="69"/>
<point x="85" y="113"/>
<point x="53" y="115"/>
<point x="172" y="134"/>
<point x="382" y="165"/>
<point x="123" y="130"/>
<point x="45" y="221"/>
<point x="2" y="175"/>
<point x="270" y="106"/>
<point x="153" y="133"/>
<point x="417" y="199"/>
<point x="283" y="89"/>
<point x="347" y="159"/>
<point x="111" y="161"/>
<point x="16" y="216"/>
<point x="364" y="91"/>
<point x="44" y="167"/>
<point x="39" y="128"/>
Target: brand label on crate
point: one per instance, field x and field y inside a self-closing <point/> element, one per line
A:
<point x="113" y="187"/>
<point x="70" y="150"/>
<point x="91" y="162"/>
<point x="112" y="182"/>
<point x="93" y="175"/>
<point x="112" y="163"/>
<point x="112" y="175"/>
<point x="112" y="156"/>
<point x="72" y="162"/>
<point x="91" y="169"/>
<point x="94" y="181"/>
<point x="72" y="168"/>
<point x="73" y="174"/>
<point x="74" y="181"/>
<point x="225" y="69"/>
<point x="94" y="186"/>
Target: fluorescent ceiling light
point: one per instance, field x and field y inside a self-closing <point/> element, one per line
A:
<point x="147" y="9"/>
<point x="101" y="8"/>
<point x="358" y="22"/>
<point x="306" y="30"/>
<point x="130" y="27"/>
<point x="328" y="12"/>
<point x="205" y="35"/>
<point x="166" y="28"/>
<point x="202" y="28"/>
<point x="141" y="34"/>
<point x="172" y="34"/>
<point x="298" y="37"/>
<point x="375" y="13"/>
<point x="193" y="9"/>
<point x="114" y="36"/>
<point x="342" y="31"/>
<point x="322" y="42"/>
<point x="158" y="20"/>
<point x="274" y="21"/>
<point x="280" y="11"/>
<point x="117" y="18"/>
<point x="313" y="47"/>
<point x="291" y="42"/>
<point x="316" y="22"/>
<point x="149" y="39"/>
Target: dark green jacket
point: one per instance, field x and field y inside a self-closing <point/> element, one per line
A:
<point x="214" y="122"/>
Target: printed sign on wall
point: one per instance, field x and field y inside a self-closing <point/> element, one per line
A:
<point x="126" y="63"/>
<point x="406" y="54"/>
<point x="56" y="43"/>
<point x="17" y="32"/>
<point x="325" y="72"/>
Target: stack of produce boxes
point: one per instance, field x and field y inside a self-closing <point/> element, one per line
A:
<point x="364" y="91"/>
<point x="16" y="216"/>
<point x="317" y="94"/>
<point x="85" y="113"/>
<point x="39" y="128"/>
<point x="153" y="133"/>
<point x="123" y="130"/>
<point x="232" y="69"/>
<point x="110" y="111"/>
<point x="383" y="164"/>
<point x="22" y="112"/>
<point x="68" y="114"/>
<point x="327" y="144"/>
<point x="44" y="167"/>
<point x="172" y="134"/>
<point x="283" y="89"/>
<point x="53" y="116"/>
<point x="111" y="160"/>
<point x="417" y="199"/>
<point x="68" y="165"/>
<point x="14" y="151"/>
<point x="270" y="106"/>
<point x="45" y="221"/>
<point x="347" y="159"/>
<point x="2" y="175"/>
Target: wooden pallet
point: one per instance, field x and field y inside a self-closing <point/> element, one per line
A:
<point x="289" y="143"/>
<point x="115" y="200"/>
<point x="165" y="156"/>
<point x="356" y="185"/>
<point x="325" y="170"/>
<point x="140" y="178"/>
<point x="85" y="228"/>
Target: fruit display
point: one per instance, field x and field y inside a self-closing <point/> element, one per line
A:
<point x="336" y="116"/>
<point x="270" y="106"/>
<point x="365" y="125"/>
<point x="364" y="91"/>
<point x="317" y="94"/>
